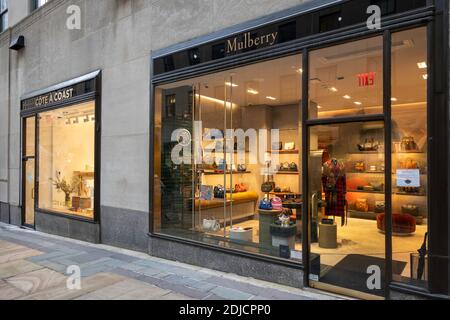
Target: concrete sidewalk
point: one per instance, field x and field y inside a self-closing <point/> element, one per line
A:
<point x="33" y="266"/>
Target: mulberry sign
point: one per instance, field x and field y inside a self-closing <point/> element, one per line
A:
<point x="249" y="41"/>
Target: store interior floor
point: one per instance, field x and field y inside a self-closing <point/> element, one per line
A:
<point x="359" y="237"/>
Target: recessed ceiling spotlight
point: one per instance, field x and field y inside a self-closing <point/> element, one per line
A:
<point x="234" y="85"/>
<point x="300" y="70"/>
<point x="252" y="91"/>
<point x="394" y="99"/>
<point x="422" y="65"/>
<point x="334" y="89"/>
<point x="319" y="107"/>
<point x="347" y="97"/>
<point x="425" y="77"/>
<point x="271" y="98"/>
<point x="358" y="103"/>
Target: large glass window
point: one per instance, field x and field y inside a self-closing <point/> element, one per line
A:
<point x="347" y="80"/>
<point x="228" y="158"/>
<point x="3" y="15"/>
<point x="66" y="160"/>
<point x="410" y="156"/>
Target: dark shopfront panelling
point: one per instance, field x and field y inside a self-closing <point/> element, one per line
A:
<point x="184" y="68"/>
<point x="344" y="14"/>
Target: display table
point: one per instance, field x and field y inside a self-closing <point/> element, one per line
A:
<point x="297" y="206"/>
<point x="328" y="236"/>
<point x="266" y="218"/>
<point x="283" y="235"/>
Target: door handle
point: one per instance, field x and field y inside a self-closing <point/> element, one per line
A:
<point x="32" y="193"/>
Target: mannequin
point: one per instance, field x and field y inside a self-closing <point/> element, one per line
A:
<point x="334" y="183"/>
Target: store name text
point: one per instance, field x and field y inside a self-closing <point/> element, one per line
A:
<point x="250" y="42"/>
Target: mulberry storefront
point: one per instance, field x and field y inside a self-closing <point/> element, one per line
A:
<point x="308" y="149"/>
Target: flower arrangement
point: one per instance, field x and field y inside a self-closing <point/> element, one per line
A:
<point x="62" y="185"/>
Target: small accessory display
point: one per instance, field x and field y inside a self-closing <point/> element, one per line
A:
<point x="268" y="184"/>
<point x="211" y="224"/>
<point x="360" y="166"/>
<point x="277" y="146"/>
<point x="362" y="205"/>
<point x="380" y="206"/>
<point x="277" y="190"/>
<point x="277" y="204"/>
<point x="286" y="190"/>
<point x="410" y="209"/>
<point x="285" y="220"/>
<point x="219" y="192"/>
<point x="408" y="144"/>
<point x="265" y="204"/>
<point x="289" y="146"/>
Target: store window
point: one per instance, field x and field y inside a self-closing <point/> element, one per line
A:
<point x="347" y="80"/>
<point x="35" y="4"/>
<point x="410" y="157"/>
<point x="3" y="15"/>
<point x="66" y="160"/>
<point x="228" y="158"/>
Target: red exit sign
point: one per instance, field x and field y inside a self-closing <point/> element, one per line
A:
<point x="366" y="79"/>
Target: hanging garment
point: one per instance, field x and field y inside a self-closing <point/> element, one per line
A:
<point x="334" y="183"/>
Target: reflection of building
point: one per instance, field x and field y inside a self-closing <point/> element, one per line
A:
<point x="99" y="106"/>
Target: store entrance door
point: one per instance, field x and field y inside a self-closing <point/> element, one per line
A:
<point x="28" y="175"/>
<point x="346" y="208"/>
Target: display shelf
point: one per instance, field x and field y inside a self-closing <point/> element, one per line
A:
<point x="288" y="172"/>
<point x="216" y="173"/>
<point x="366" y="172"/>
<point x="285" y="151"/>
<point x="409" y="152"/>
<point x="364" y="191"/>
<point x="366" y="152"/>
<point x="284" y="194"/>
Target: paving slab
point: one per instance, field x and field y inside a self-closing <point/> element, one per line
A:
<point x="13" y="268"/>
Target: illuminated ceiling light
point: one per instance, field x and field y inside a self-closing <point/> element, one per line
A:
<point x="231" y="84"/>
<point x="334" y="89"/>
<point x="347" y="97"/>
<point x="216" y="100"/>
<point x="252" y="91"/>
<point x="300" y="70"/>
<point x="319" y="107"/>
<point x="271" y="98"/>
<point x="422" y="65"/>
<point x="394" y="99"/>
<point x="358" y="103"/>
<point x="425" y="77"/>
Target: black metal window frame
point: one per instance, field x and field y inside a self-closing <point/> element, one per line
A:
<point x="92" y="95"/>
<point x="435" y="17"/>
<point x="3" y="16"/>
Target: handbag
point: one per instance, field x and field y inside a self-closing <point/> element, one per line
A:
<point x="293" y="167"/>
<point x="277" y="146"/>
<point x="277" y="204"/>
<point x="360" y="166"/>
<point x="240" y="187"/>
<point x="380" y="206"/>
<point x="242" y="168"/>
<point x="211" y="225"/>
<point x="362" y="205"/>
<point x="284" y="167"/>
<point x="410" y="209"/>
<point x="409" y="144"/>
<point x="219" y="192"/>
<point x="267" y="186"/>
<point x="289" y="146"/>
<point x="377" y="186"/>
<point x="265" y="204"/>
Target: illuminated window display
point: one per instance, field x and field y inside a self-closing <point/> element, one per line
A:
<point x="66" y="160"/>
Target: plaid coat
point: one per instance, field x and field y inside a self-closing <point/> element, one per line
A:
<point x="334" y="183"/>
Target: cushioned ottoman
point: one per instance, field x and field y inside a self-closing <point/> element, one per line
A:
<point x="402" y="224"/>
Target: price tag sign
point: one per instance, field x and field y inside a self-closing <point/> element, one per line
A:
<point x="408" y="178"/>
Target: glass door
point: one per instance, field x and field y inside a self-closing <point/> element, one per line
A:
<point x="346" y="192"/>
<point x="28" y="164"/>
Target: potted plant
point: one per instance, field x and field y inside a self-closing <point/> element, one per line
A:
<point x="62" y="185"/>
